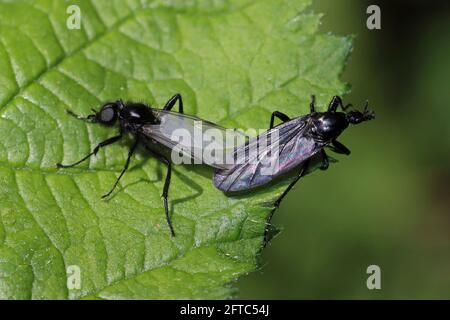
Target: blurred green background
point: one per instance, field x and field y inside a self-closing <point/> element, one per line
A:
<point x="388" y="202"/>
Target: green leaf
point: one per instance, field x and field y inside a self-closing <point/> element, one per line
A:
<point x="233" y="61"/>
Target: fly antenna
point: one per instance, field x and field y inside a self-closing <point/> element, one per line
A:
<point x="366" y="106"/>
<point x="368" y="114"/>
<point x="90" y="118"/>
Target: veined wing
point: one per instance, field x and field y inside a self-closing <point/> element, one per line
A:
<point x="268" y="155"/>
<point x="261" y="146"/>
<point x="194" y="140"/>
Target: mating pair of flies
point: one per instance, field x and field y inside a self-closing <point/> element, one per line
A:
<point x="297" y="141"/>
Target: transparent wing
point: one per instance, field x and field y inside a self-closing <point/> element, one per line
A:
<point x="266" y="143"/>
<point x="193" y="139"/>
<point x="268" y="156"/>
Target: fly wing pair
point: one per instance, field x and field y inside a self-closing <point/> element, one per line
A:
<point x="195" y="139"/>
<point x="269" y="155"/>
<point x="253" y="162"/>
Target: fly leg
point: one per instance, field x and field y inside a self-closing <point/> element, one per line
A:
<point x="165" y="193"/>
<point x="291" y="185"/>
<point x="125" y="168"/>
<point x="171" y="102"/>
<point x="335" y="102"/>
<point x="339" y="148"/>
<point x="325" y="161"/>
<point x="312" y="105"/>
<point x="93" y="153"/>
<point x="279" y="115"/>
<point x="280" y="198"/>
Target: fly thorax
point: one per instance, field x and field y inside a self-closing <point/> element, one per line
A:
<point x="327" y="126"/>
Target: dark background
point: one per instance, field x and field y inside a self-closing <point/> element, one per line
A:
<point x="388" y="202"/>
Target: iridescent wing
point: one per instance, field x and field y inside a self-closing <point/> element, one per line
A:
<point x="269" y="155"/>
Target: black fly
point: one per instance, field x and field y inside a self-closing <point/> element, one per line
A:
<point x="297" y="141"/>
<point x="151" y="128"/>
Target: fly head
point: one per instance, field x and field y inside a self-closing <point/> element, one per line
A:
<point x="108" y="114"/>
<point x="355" y="117"/>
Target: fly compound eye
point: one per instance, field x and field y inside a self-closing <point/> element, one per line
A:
<point x="107" y="114"/>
